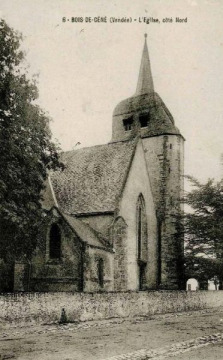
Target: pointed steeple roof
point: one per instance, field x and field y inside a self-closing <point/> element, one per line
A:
<point x="144" y="104"/>
<point x="145" y="80"/>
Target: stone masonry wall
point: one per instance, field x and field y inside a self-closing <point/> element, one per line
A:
<point x="64" y="274"/>
<point x="91" y="280"/>
<point x="46" y="307"/>
<point x="119" y="237"/>
<point x="138" y="184"/>
<point x="164" y="156"/>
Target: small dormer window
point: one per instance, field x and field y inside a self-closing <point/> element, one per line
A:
<point x="128" y="123"/>
<point x="143" y="120"/>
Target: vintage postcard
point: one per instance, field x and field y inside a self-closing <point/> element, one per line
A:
<point x="94" y="259"/>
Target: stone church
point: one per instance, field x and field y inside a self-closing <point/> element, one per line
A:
<point x="112" y="215"/>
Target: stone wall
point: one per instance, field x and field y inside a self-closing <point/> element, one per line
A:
<point x="91" y="278"/>
<point x="46" y="307"/>
<point x="119" y="238"/>
<point x="75" y="270"/>
<point x="138" y="184"/>
<point x="164" y="157"/>
<point x="64" y="274"/>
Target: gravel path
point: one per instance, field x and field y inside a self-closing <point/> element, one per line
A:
<point x="157" y="337"/>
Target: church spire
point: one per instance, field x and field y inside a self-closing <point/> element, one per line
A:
<point x="145" y="80"/>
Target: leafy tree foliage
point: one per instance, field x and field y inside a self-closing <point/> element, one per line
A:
<point x="203" y="228"/>
<point x="26" y="151"/>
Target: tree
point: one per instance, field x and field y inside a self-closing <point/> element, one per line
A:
<point x="203" y="227"/>
<point x="27" y="152"/>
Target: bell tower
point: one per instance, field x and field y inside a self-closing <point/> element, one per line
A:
<point x="145" y="115"/>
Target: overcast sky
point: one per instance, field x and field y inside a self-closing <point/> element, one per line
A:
<point x="85" y="69"/>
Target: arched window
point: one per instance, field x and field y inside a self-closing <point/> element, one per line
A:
<point x="55" y="242"/>
<point x="139" y="232"/>
<point x="101" y="272"/>
<point x="142" y="240"/>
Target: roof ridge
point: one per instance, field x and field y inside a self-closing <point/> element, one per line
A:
<point x="96" y="146"/>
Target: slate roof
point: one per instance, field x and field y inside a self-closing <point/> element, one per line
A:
<point x="160" y="120"/>
<point x="145" y="80"/>
<point x="145" y="102"/>
<point x="93" y="177"/>
<point x="151" y="101"/>
<point x="86" y="233"/>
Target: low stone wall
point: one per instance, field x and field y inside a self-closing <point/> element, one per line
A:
<point x="46" y="307"/>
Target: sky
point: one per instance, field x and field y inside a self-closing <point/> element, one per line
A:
<point x="86" y="68"/>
